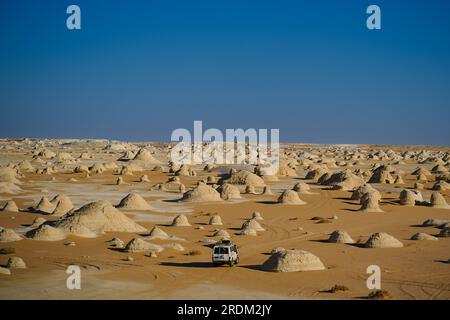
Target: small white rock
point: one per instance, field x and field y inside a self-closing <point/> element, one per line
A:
<point x="5" y="271"/>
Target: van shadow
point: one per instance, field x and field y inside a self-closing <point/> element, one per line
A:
<point x="172" y="200"/>
<point x="188" y="264"/>
<point x="320" y="240"/>
<point x="267" y="202"/>
<point x="343" y="198"/>
<point x="351" y="203"/>
<point x="255" y="267"/>
<point x="357" y="245"/>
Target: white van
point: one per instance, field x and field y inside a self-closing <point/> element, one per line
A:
<point x="225" y="252"/>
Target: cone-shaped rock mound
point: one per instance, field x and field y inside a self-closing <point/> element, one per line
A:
<point x="180" y="221"/>
<point x="252" y="224"/>
<point x="146" y="156"/>
<point x="370" y="203"/>
<point x="97" y="217"/>
<point x="229" y="191"/>
<point x="201" y="193"/>
<point x="383" y="240"/>
<point x="423" y="236"/>
<point x="11" y="206"/>
<point x="246" y="178"/>
<point x="46" y="232"/>
<point x="340" y="236"/>
<point x="157" y="233"/>
<point x="63" y="205"/>
<point x="139" y="245"/>
<point x="292" y="261"/>
<point x="133" y="201"/>
<point x="215" y="220"/>
<point x="438" y="201"/>
<point x="290" y="197"/>
<point x="9" y="235"/>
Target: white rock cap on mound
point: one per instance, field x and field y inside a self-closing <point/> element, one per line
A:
<point x="97" y="217"/>
<point x="292" y="261"/>
<point x="423" y="236"/>
<point x="8" y="181"/>
<point x="25" y="165"/>
<point x="215" y="220"/>
<point x="16" y="263"/>
<point x="37" y="222"/>
<point x="399" y="180"/>
<point x="174" y="185"/>
<point x="290" y="197"/>
<point x="139" y="245"/>
<point x="201" y="193"/>
<point x="441" y="185"/>
<point x="349" y="182"/>
<point x="146" y="156"/>
<point x="127" y="155"/>
<point x="116" y="243"/>
<point x="5" y="271"/>
<point x="420" y="171"/>
<point x="158" y="233"/>
<point x="382" y="240"/>
<point x="9" y="235"/>
<point x="437" y="200"/>
<point x="97" y="168"/>
<point x="180" y="221"/>
<point x="340" y="236"/>
<point x="63" y="205"/>
<point x="11" y="206"/>
<point x="252" y="224"/>
<point x="267" y="191"/>
<point x="229" y="191"/>
<point x="362" y="190"/>
<point x="133" y="201"/>
<point x="46" y="232"/>
<point x="247" y="231"/>
<point x="45" y="206"/>
<point x="249" y="189"/>
<point x="302" y="188"/>
<point x="370" y="203"/>
<point x="257" y="216"/>
<point x="81" y="169"/>
<point x="407" y="198"/>
<point x="286" y="171"/>
<point x="245" y="177"/>
<point x="186" y="171"/>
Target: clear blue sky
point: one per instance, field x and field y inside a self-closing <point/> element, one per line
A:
<point x="139" y="69"/>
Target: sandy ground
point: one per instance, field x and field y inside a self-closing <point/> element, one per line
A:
<point x="416" y="271"/>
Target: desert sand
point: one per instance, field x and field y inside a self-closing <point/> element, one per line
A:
<point x="329" y="213"/>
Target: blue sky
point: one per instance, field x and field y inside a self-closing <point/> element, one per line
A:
<point x="139" y="69"/>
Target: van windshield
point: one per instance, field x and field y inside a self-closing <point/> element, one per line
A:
<point x="220" y="250"/>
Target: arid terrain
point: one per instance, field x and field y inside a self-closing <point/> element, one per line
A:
<point x="395" y="191"/>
